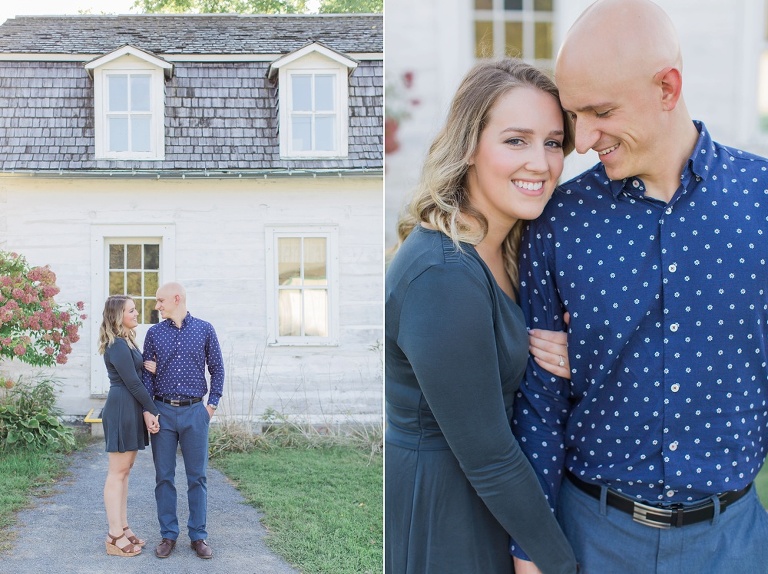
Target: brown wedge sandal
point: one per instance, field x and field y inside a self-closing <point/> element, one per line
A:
<point x="114" y="550"/>
<point x="135" y="540"/>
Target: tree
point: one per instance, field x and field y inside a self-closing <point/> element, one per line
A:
<point x="222" y="6"/>
<point x="34" y="329"/>
<point x="257" y="6"/>
<point x="351" y="6"/>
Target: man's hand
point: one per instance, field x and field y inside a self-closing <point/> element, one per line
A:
<point x="210" y="410"/>
<point x="152" y="422"/>
<point x="525" y="566"/>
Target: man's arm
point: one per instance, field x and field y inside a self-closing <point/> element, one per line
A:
<point x="542" y="403"/>
<point x="149" y="354"/>
<point x="215" y="368"/>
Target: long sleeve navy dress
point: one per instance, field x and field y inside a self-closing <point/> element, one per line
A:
<point x="123" y="414"/>
<point x="457" y="484"/>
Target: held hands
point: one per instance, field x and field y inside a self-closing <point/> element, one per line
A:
<point x="525" y="566"/>
<point x="152" y="422"/>
<point x="550" y="350"/>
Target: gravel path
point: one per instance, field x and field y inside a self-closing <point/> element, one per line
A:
<point x="64" y="533"/>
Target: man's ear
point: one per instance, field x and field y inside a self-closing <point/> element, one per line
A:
<point x="670" y="80"/>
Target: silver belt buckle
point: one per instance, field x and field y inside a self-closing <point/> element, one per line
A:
<point x="175" y="403"/>
<point x="641" y="513"/>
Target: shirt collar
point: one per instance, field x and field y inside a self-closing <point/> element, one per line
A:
<point x="184" y="321"/>
<point x="698" y="165"/>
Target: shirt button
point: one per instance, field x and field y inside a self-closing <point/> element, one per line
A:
<point x="635" y="184"/>
<point x="670" y="492"/>
<point x="675" y="387"/>
<point x="674" y="327"/>
<point x="672" y="268"/>
<point x="673" y="446"/>
<point x="668" y="211"/>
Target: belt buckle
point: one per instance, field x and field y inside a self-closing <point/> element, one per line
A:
<point x="175" y="403"/>
<point x="641" y="513"/>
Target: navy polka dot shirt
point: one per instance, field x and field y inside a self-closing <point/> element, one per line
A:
<point x="668" y="342"/>
<point x="181" y="355"/>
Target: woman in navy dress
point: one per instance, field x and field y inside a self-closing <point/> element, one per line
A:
<point x="125" y="423"/>
<point x="457" y="484"/>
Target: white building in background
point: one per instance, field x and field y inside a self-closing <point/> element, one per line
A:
<point x="239" y="155"/>
<point x="436" y="42"/>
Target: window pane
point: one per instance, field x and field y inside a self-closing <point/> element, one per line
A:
<point x="513" y="39"/>
<point x="149" y="312"/>
<point x="301" y="91"/>
<point x="116" y="256"/>
<point x="324" y="93"/>
<point x="134" y="283"/>
<point x="151" y="257"/>
<point x="140" y="93"/>
<point x="543" y="40"/>
<point x="483" y="4"/>
<point x="315" y="265"/>
<point x="324" y="133"/>
<point x="289" y="260"/>
<point x="118" y="93"/>
<point x="483" y="39"/>
<point x="140" y="133"/>
<point x="316" y="313"/>
<point x="116" y="283"/>
<point x="302" y="133"/>
<point x="118" y="134"/>
<point x="542" y="5"/>
<point x="151" y="284"/>
<point x="289" y="313"/>
<point x="513" y="4"/>
<point x="134" y="257"/>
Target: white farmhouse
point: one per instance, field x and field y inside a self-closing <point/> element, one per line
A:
<point x="239" y="155"/>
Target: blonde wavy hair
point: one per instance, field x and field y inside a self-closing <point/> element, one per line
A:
<point x="112" y="323"/>
<point x="441" y="196"/>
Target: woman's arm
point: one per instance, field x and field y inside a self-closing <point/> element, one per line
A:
<point x="119" y="354"/>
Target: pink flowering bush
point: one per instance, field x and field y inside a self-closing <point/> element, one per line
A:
<point x="34" y="328"/>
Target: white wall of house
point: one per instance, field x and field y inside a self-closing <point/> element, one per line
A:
<point x="721" y="43"/>
<point x="214" y="242"/>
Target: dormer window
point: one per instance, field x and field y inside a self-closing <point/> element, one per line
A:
<point x="313" y="90"/>
<point x="129" y="104"/>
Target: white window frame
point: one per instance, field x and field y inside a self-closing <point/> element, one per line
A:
<point x="129" y="61"/>
<point x="331" y="234"/>
<point x="101" y="237"/>
<point x="314" y="59"/>
<point x="498" y="16"/>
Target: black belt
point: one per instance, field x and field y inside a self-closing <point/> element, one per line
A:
<point x="657" y="516"/>
<point x="178" y="403"/>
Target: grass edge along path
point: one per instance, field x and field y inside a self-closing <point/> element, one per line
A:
<point x="23" y="475"/>
<point x="323" y="507"/>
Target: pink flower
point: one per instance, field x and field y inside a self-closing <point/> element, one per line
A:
<point x="61" y="358"/>
<point x="19" y="349"/>
<point x="80" y="306"/>
<point x="49" y="350"/>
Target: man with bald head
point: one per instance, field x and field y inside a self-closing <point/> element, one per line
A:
<point x="181" y="346"/>
<point x="649" y="451"/>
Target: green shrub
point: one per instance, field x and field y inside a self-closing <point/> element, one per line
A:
<point x="29" y="419"/>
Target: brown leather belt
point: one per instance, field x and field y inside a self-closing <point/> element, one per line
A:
<point x="658" y="516"/>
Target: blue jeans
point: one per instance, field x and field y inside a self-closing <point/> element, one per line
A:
<point x="188" y="427"/>
<point x="607" y="541"/>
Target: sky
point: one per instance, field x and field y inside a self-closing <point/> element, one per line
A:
<point x="9" y="9"/>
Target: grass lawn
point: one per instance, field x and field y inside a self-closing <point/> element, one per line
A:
<point x="322" y="506"/>
<point x="761" y="483"/>
<point x="19" y="474"/>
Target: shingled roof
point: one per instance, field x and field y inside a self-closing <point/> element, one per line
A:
<point x="191" y="33"/>
<point x="219" y="115"/>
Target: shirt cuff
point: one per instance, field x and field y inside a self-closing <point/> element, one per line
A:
<point x="516" y="551"/>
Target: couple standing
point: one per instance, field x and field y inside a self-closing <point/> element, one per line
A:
<point x="647" y="435"/>
<point x="161" y="392"/>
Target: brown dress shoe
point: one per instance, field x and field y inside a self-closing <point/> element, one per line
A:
<point x="202" y="549"/>
<point x="165" y="548"/>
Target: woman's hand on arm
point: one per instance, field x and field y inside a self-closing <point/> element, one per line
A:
<point x="525" y="566"/>
<point x="550" y="350"/>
